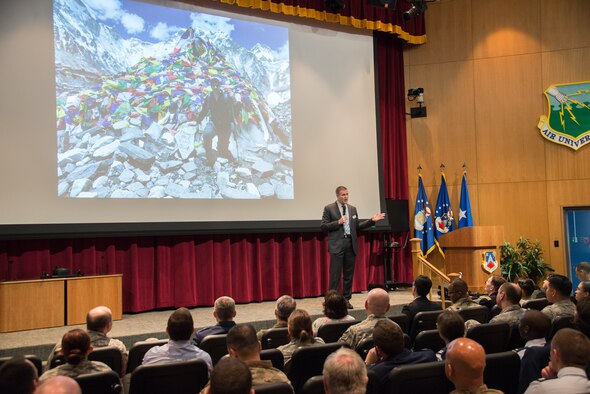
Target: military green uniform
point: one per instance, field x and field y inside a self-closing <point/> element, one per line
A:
<point x="361" y="331"/>
<point x="295" y="344"/>
<point x="83" y="368"/>
<point x="264" y="373"/>
<point x="509" y="315"/>
<point x="261" y="333"/>
<point x="559" y="309"/>
<point x="463" y="303"/>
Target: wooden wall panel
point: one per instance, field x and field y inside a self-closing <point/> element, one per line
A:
<point x="506" y="27"/>
<point x="565" y="24"/>
<point x="449" y="34"/>
<point x="521" y="207"/>
<point x="508" y="102"/>
<point x="561" y="194"/>
<point x="447" y="135"/>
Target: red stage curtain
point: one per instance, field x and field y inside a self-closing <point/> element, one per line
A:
<point x="172" y="271"/>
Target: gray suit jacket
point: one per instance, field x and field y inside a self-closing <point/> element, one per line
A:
<point x="336" y="240"/>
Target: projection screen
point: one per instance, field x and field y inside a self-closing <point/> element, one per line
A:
<point x="124" y="116"/>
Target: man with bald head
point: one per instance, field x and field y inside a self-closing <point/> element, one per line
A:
<point x="99" y="322"/>
<point x="464" y="365"/>
<point x="377" y="305"/>
<point x="59" y="385"/>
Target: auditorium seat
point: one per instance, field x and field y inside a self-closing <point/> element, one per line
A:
<point x="106" y="382"/>
<point x="402" y="320"/>
<point x="428" y="339"/>
<point x="538" y="304"/>
<point x="423" y="321"/>
<point x="418" y="379"/>
<point x="32" y="358"/>
<point x="183" y="377"/>
<point x="308" y="361"/>
<point x="515" y="341"/>
<point x="275" y="337"/>
<point x="502" y="371"/>
<point x="110" y="355"/>
<point x="560" y="322"/>
<point x="479" y="313"/>
<point x="493" y="337"/>
<point x="364" y="346"/>
<point x="215" y="345"/>
<point x="138" y="350"/>
<point x="275" y="356"/>
<point x="332" y="332"/>
<point x="273" y="388"/>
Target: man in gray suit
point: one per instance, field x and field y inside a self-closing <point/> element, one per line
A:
<point x="341" y="222"/>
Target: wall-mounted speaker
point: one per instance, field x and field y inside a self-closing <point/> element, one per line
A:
<point x="398" y="215"/>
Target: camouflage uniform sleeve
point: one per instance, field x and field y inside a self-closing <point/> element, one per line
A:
<point x="124" y="354"/>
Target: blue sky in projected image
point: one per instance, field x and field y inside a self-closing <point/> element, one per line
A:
<point x="153" y="23"/>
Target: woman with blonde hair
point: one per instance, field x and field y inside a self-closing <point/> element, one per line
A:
<point x="300" y="332"/>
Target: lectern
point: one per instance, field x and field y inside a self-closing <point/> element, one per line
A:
<point x="465" y="252"/>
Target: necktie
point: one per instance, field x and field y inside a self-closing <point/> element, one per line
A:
<point x="346" y="223"/>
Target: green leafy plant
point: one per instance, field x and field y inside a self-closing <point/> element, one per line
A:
<point x="525" y="260"/>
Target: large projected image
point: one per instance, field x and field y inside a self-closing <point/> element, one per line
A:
<point x="158" y="102"/>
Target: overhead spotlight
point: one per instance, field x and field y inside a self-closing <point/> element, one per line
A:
<point x="335" y="5"/>
<point x="418" y="7"/>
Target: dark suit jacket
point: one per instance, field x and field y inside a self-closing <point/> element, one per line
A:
<point x="420" y="304"/>
<point x="336" y="240"/>
<point x="382" y="368"/>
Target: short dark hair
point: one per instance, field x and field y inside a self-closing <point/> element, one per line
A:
<point x="242" y="338"/>
<point x="512" y="292"/>
<point x="460" y="286"/>
<point x="497" y="281"/>
<point x="180" y="325"/>
<point x="17" y="376"/>
<point x="573" y="346"/>
<point x="285" y="306"/>
<point x="586" y="286"/>
<point x="74" y="346"/>
<point x="335" y="305"/>
<point x="230" y="376"/>
<point x="583" y="266"/>
<point x="527" y="285"/>
<point x="561" y="284"/>
<point x="423" y="284"/>
<point x="539" y="324"/>
<point x="389" y="337"/>
<point x="450" y="325"/>
<point x="340" y="188"/>
<point x="582" y="319"/>
<point x="215" y="82"/>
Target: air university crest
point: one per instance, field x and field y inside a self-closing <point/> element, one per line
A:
<point x="489" y="262"/>
<point x="568" y="119"/>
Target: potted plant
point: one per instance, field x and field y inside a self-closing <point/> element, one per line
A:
<point x="525" y="260"/>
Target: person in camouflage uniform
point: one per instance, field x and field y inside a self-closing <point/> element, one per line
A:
<point x="243" y="345"/>
<point x="376" y="305"/>
<point x="464" y="365"/>
<point x="75" y="348"/>
<point x="508" y="300"/>
<point x="99" y="322"/>
<point x="558" y="292"/>
<point x="458" y="295"/>
<point x="301" y="334"/>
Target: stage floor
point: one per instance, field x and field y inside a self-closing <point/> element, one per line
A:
<point x="134" y="327"/>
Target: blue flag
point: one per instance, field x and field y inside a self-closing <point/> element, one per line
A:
<point x="443" y="216"/>
<point x="423" y="220"/>
<point x="465" y="218"/>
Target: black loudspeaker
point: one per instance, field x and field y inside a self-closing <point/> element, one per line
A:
<point x="398" y="215"/>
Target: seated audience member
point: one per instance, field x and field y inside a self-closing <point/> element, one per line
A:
<point x="533" y="327"/>
<point x="542" y="292"/>
<point x="376" y="305"/>
<point x="389" y="351"/>
<point x="458" y="295"/>
<point x="566" y="372"/>
<point x="345" y="373"/>
<point x="18" y="376"/>
<point x="300" y="333"/>
<point x="99" y="322"/>
<point x="492" y="287"/>
<point x="558" y="292"/>
<point x="75" y="347"/>
<point x="450" y="326"/>
<point x="59" y="385"/>
<point x="335" y="310"/>
<point x="179" y="347"/>
<point x="464" y="366"/>
<point x="582" y="317"/>
<point x="583" y="290"/>
<point x="528" y="287"/>
<point x="224" y="312"/>
<point x="420" y="289"/>
<point x="230" y="376"/>
<point x="285" y="306"/>
<point x="243" y="345"/>
<point x="583" y="271"/>
<point x="508" y="300"/>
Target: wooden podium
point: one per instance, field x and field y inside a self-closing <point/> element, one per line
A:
<point x="465" y="250"/>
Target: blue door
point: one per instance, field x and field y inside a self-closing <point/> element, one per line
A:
<point x="577" y="237"/>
